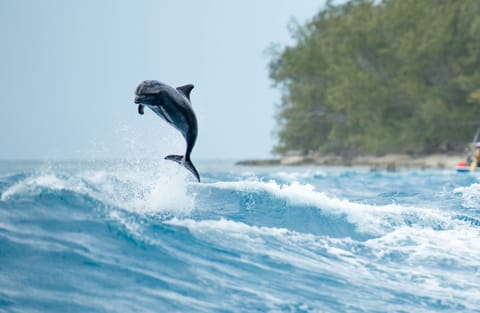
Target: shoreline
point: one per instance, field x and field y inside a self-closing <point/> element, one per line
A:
<point x="388" y="162"/>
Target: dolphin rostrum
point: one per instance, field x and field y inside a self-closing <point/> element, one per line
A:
<point x="174" y="106"/>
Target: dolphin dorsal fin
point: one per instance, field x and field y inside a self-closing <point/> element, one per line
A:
<point x="186" y="90"/>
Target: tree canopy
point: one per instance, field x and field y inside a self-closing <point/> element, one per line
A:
<point x="381" y="76"/>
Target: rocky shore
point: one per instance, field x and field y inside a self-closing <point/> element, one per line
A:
<point x="388" y="162"/>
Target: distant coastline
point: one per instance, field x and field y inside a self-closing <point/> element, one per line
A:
<point x="388" y="162"/>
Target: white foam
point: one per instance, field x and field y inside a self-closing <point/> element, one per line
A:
<point x="236" y="229"/>
<point x="141" y="188"/>
<point x="374" y="219"/>
<point x="470" y="195"/>
<point x="297" y="175"/>
<point x="150" y="190"/>
<point x="47" y="181"/>
<point x="422" y="244"/>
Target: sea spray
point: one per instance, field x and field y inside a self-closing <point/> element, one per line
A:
<point x="143" y="236"/>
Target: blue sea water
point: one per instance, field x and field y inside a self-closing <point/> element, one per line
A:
<point x="142" y="236"/>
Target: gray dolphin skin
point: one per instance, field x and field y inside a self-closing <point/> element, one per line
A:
<point x="174" y="106"/>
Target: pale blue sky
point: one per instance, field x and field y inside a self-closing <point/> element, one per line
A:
<point x="68" y="71"/>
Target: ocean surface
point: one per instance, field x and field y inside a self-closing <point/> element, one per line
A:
<point x="143" y="236"/>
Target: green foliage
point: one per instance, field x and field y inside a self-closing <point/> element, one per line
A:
<point x="379" y="77"/>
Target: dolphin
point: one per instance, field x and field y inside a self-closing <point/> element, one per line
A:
<point x="174" y="106"/>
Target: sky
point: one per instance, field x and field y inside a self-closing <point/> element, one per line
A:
<point x="69" y="69"/>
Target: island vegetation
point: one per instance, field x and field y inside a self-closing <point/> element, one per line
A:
<point x="380" y="77"/>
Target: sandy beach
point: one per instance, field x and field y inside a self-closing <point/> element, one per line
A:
<point x="389" y="161"/>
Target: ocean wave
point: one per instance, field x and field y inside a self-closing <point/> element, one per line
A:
<point x="437" y="262"/>
<point x="301" y="250"/>
<point x="143" y="237"/>
<point x="145" y="191"/>
<point x="51" y="182"/>
<point x="370" y="219"/>
<point x="421" y="245"/>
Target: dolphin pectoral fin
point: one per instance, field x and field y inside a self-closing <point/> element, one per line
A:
<point x="141" y="108"/>
<point x="187" y="163"/>
<point x="175" y="158"/>
<point x="165" y="114"/>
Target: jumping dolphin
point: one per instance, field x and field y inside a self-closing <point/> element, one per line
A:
<point x="174" y="106"/>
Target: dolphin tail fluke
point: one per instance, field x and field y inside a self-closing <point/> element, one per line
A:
<point x="187" y="163"/>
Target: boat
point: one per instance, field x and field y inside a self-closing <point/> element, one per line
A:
<point x="473" y="157"/>
<point x="462" y="167"/>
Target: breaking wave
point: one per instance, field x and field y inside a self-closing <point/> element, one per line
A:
<point x="143" y="236"/>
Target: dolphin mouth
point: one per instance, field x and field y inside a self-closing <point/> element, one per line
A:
<point x="138" y="99"/>
<point x="144" y="99"/>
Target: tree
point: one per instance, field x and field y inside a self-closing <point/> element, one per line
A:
<point x="378" y="77"/>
